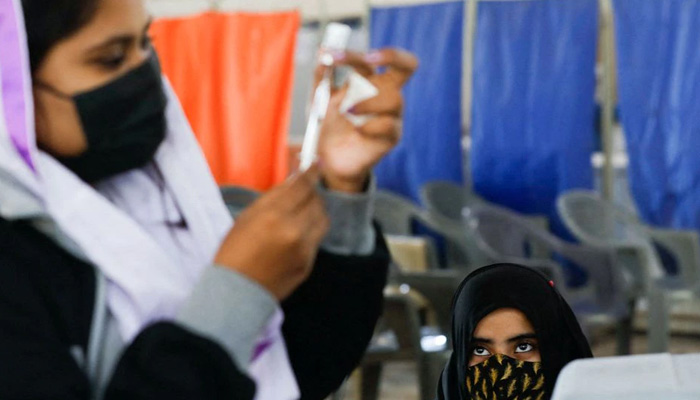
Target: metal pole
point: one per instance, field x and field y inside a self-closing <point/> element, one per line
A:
<point x="366" y="20"/>
<point x="608" y="53"/>
<point x="324" y="17"/>
<point x="470" y="17"/>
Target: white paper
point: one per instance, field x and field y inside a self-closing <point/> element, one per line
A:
<point x="645" y="377"/>
<point x="359" y="89"/>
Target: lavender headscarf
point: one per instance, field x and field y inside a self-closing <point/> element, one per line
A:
<point x="15" y="79"/>
<point x="148" y="274"/>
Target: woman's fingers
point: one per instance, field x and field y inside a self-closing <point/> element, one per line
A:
<point x="384" y="127"/>
<point x="315" y="220"/>
<point x="312" y="222"/>
<point x="400" y="64"/>
<point x="275" y="241"/>
<point x="296" y="192"/>
<point x="348" y="58"/>
<point x="389" y="101"/>
<point x="358" y="61"/>
<point x="318" y="230"/>
<point x="306" y="184"/>
<point x="318" y="74"/>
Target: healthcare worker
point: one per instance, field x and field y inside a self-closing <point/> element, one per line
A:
<point x="122" y="274"/>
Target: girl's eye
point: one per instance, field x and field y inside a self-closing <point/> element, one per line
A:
<point x="112" y="62"/>
<point x="112" y="58"/>
<point x="524" y="348"/>
<point x="481" y="352"/>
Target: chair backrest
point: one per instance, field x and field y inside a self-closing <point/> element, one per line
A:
<point x="502" y="231"/>
<point x="394" y="213"/>
<point x="438" y="287"/>
<point x="397" y="215"/>
<point x="507" y="235"/>
<point x="595" y="221"/>
<point x="448" y="199"/>
<point x="237" y="198"/>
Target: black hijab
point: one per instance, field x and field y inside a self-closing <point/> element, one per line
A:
<point x="512" y="286"/>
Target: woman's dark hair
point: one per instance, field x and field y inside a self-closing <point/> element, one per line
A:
<point x="50" y="21"/>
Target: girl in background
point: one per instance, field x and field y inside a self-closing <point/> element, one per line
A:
<point x="512" y="334"/>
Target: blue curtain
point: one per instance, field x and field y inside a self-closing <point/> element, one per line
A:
<point x="533" y="129"/>
<point x="431" y="145"/>
<point x="659" y="81"/>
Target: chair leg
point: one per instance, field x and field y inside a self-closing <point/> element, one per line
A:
<point x="429" y="368"/>
<point x="425" y="386"/>
<point x="659" y="321"/>
<point x="624" y="337"/>
<point x="369" y="382"/>
<point x="624" y="332"/>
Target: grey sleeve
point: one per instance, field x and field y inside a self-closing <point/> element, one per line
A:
<point x="230" y="309"/>
<point x="351" y="231"/>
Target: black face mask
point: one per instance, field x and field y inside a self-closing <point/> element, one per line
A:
<point x="124" y="122"/>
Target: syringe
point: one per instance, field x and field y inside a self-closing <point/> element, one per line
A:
<point x="335" y="39"/>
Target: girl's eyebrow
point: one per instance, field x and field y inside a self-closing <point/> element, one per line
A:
<point x="481" y="340"/>
<point x="522" y="337"/>
<point x="114" y="40"/>
<point x="120" y="39"/>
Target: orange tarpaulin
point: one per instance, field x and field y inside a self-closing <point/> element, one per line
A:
<point x="234" y="75"/>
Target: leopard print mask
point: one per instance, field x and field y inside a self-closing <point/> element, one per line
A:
<point x="504" y="378"/>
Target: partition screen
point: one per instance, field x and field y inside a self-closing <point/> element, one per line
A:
<point x="658" y="46"/>
<point x="533" y="111"/>
<point x="431" y="145"/>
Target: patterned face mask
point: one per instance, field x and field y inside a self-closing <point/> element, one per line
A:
<point x="503" y="378"/>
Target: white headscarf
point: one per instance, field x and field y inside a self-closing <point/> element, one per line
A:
<point x="146" y="281"/>
<point x="124" y="225"/>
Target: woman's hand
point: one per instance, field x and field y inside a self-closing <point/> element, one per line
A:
<point x="275" y="241"/>
<point x="348" y="153"/>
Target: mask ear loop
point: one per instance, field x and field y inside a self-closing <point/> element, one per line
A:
<point x="52" y="90"/>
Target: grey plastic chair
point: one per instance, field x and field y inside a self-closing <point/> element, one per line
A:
<point x="448" y="199"/>
<point x="237" y="198"/>
<point x="438" y="288"/>
<point x="596" y="222"/>
<point x="397" y="214"/>
<point x="447" y="203"/>
<point x="401" y="337"/>
<point x="606" y="298"/>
